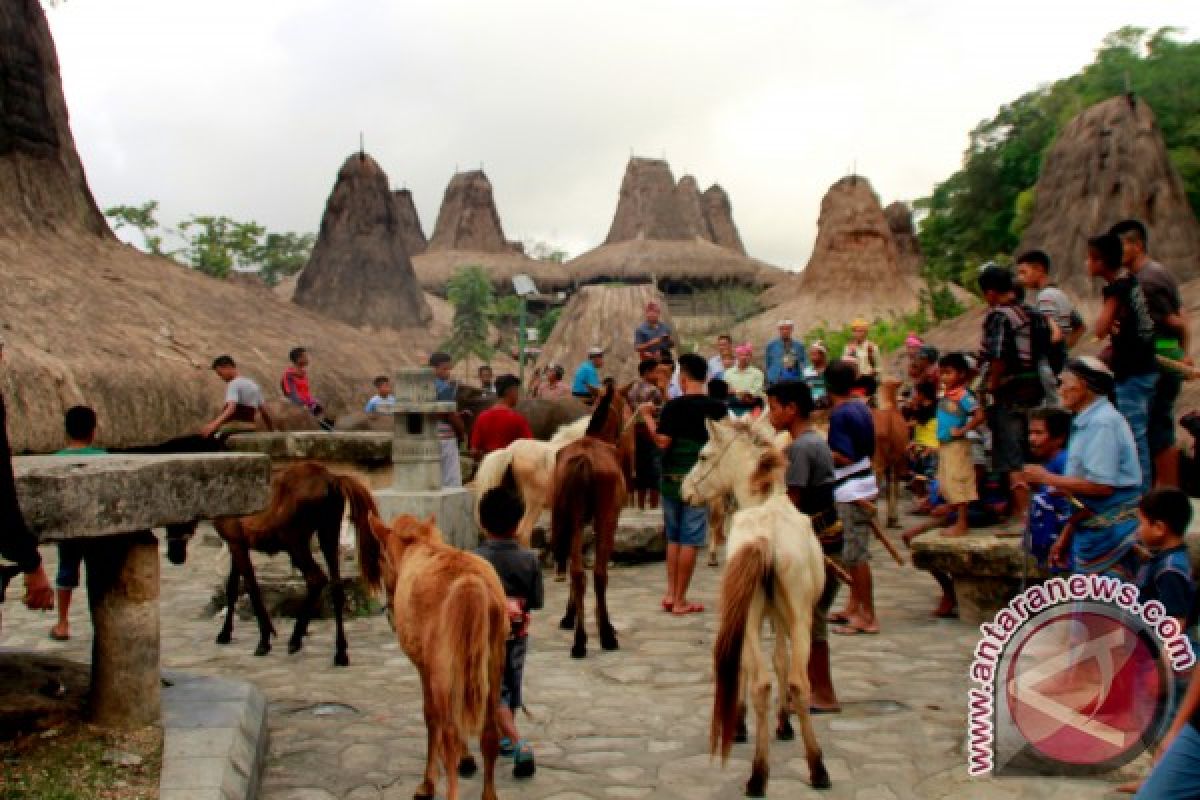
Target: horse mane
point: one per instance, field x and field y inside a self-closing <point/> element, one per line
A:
<point x="571" y="431"/>
<point x="600" y="414"/>
<point x="771" y="461"/>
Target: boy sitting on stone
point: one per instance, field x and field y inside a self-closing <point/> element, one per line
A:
<point x="500" y="510"/>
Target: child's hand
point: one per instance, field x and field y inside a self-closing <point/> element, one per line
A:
<point x="1058" y="552"/>
<point x="958" y="432"/>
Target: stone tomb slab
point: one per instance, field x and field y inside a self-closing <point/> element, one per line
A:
<point x="987" y="570"/>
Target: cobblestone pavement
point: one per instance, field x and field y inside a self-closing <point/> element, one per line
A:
<point x="627" y="724"/>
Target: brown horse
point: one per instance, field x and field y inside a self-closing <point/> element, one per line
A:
<point x="305" y="498"/>
<point x="449" y="613"/>
<point x="589" y="486"/>
<point x="891" y="447"/>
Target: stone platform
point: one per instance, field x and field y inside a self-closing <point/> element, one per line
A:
<point x="987" y="570"/>
<point x="364" y="454"/>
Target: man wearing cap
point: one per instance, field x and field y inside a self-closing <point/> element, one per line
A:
<point x="586" y="384"/>
<point x="785" y="356"/>
<point x="17" y="542"/>
<point x="864" y="353"/>
<point x="653" y="337"/>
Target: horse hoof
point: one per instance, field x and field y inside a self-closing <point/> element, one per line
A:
<point x="785" y="733"/>
<point x="742" y="734"/>
<point x="262" y="649"/>
<point x="177" y="551"/>
<point x="294" y="646"/>
<point x="756" y="786"/>
<point x="467" y="767"/>
<point x="224" y="637"/>
<point x="341" y="660"/>
<point x="423" y="796"/>
<point x="609" y="643"/>
<point x="579" y="651"/>
<point x="712" y="562"/>
<point x="567" y="623"/>
<point x="820" y="778"/>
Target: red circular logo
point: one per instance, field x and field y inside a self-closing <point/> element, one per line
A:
<point x="1085" y="689"/>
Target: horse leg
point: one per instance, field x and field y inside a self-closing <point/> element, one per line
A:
<point x="578" y="587"/>
<point x="574" y="603"/>
<point x="801" y="691"/>
<point x="231" y="598"/>
<point x="489" y="740"/>
<point x="759" y="686"/>
<point x="606" y="531"/>
<point x="783" y="725"/>
<point x="314" y="581"/>
<point x="428" y="786"/>
<point x="265" y="629"/>
<point x="716" y="523"/>
<point x="328" y="535"/>
<point x="452" y="754"/>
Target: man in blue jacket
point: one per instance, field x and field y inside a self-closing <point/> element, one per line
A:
<point x="786" y="357"/>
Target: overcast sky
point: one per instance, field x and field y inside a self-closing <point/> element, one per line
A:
<point x="248" y="108"/>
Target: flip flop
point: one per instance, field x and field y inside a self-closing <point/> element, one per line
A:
<point x="506" y="747"/>
<point x="667" y="605"/>
<point x="690" y="608"/>
<point x="838" y="619"/>
<point x="60" y="637"/>
<point x="853" y="630"/>
<point x="523" y="763"/>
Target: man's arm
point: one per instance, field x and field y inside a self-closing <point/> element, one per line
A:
<point x="1077" y="332"/>
<point x="268" y="423"/>
<point x="226" y="414"/>
<point x="1104" y="320"/>
<point x="17" y="542"/>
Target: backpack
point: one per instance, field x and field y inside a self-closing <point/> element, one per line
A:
<point x="1032" y="335"/>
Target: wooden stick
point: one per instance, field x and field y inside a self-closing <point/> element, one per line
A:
<point x="868" y="506"/>
<point x="841" y="574"/>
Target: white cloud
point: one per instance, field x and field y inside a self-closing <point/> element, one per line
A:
<point x="249" y="108"/>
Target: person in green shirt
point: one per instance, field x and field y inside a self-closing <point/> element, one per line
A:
<point x="81" y="435"/>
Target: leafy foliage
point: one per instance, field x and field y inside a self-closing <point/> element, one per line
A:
<point x="979" y="212"/>
<point x="469" y="290"/>
<point x="215" y="245"/>
<point x="937" y="305"/>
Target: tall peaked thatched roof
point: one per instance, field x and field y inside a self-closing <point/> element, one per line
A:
<point x="87" y="319"/>
<point x="718" y="213"/>
<point x="411" y="232"/>
<point x="854" y="270"/>
<point x="605" y="316"/>
<point x="1108" y="164"/>
<point x="908" y="249"/>
<point x="359" y="271"/>
<point x="649" y="207"/>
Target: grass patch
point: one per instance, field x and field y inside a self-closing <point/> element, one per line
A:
<point x="68" y="763"/>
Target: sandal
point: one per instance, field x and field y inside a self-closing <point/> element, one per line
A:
<point x="60" y="637"/>
<point x="523" y="763"/>
<point x="506" y="747"/>
<point x="838" y="618"/>
<point x="689" y="608"/>
<point x="667" y="605"/>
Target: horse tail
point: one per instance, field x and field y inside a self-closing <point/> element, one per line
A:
<point x="749" y="570"/>
<point x="469" y="625"/>
<point x="362" y="505"/>
<point x="571" y="496"/>
<point x="492" y="472"/>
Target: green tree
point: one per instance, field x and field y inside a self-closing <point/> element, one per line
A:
<point x="469" y="290"/>
<point x="215" y="245"/>
<point x="283" y="254"/>
<point x="141" y="218"/>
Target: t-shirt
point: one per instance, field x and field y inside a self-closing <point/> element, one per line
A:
<point x="245" y="394"/>
<point x="716" y="367"/>
<point x="445" y="392"/>
<point x="954" y="411"/>
<point x="1167" y="577"/>
<point x="296" y="388"/>
<point x="645" y="332"/>
<point x="749" y="380"/>
<point x="810" y="467"/>
<point x="1162" y="296"/>
<point x="586" y="377"/>
<point x="866" y="355"/>
<point x="1133" y="342"/>
<point x="925" y="433"/>
<point x="518" y="570"/>
<point x="852" y="434"/>
<point x="497" y="428"/>
<point x="379" y="403"/>
<point x="1054" y="303"/>
<point x="682" y="419"/>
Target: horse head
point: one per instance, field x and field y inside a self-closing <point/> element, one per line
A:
<point x="380" y="562"/>
<point x="740" y="457"/>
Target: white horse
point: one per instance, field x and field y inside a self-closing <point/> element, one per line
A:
<point x="532" y="462"/>
<point x="775" y="570"/>
<point x="721" y="508"/>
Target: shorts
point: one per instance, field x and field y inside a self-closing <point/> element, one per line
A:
<point x="451" y="467"/>
<point x="1010" y="437"/>
<point x="856" y="530"/>
<point x="820" y="621"/>
<point x="514" y="672"/>
<point x="685" y="525"/>
<point x="1161" y="431"/>
<point x="70" y="557"/>
<point x="956" y="473"/>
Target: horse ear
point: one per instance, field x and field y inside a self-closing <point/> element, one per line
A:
<point x="763" y="425"/>
<point x="714" y="430"/>
<point x="431" y="520"/>
<point x="379" y="528"/>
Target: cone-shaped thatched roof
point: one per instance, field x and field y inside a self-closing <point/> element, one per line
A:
<point x="605" y="316"/>
<point x="411" y="232"/>
<point x="87" y="319"/>
<point x="359" y="271"/>
<point x="908" y="249"/>
<point x="695" y="263"/>
<point x="718" y="213"/>
<point x="469" y="233"/>
<point x="1108" y="164"/>
<point x="854" y="270"/>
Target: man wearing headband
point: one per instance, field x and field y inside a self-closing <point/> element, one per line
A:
<point x="745" y="380"/>
<point x="785" y="356"/>
<point x="653" y="338"/>
<point x="17" y="542"/>
<point x="1102" y="473"/>
<point x="864" y="353"/>
<point x="814" y="373"/>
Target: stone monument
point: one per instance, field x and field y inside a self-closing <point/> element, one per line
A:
<point x="416" y="463"/>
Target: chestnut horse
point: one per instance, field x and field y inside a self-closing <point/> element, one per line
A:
<point x="775" y="570"/>
<point x="305" y="498"/>
<point x="450" y="616"/>
<point x="590" y="486"/>
<point x="891" y="447"/>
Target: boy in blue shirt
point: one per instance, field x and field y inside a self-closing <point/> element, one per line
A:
<point x="383" y="400"/>
<point x="586" y="384"/>
<point x="1166" y="576"/>
<point x="958" y="414"/>
<point x="1049" y="509"/>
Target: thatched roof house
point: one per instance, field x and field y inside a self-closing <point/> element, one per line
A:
<point x="605" y="316"/>
<point x="908" y="248"/>
<point x="1110" y="163"/>
<point x="87" y="319"/>
<point x="469" y="233"/>
<point x="669" y="233"/>
<point x="411" y="232"/>
<point x="854" y="270"/>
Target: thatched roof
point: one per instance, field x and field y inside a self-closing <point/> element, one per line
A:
<point x="359" y="271"/>
<point x="718" y="213"/>
<point x="694" y="263"/>
<point x="604" y="316"/>
<point x="1110" y="163"/>
<point x="854" y="270"/>
<point x="411" y="232"/>
<point x="908" y="249"/>
<point x="87" y="319"/>
<point x="434" y="269"/>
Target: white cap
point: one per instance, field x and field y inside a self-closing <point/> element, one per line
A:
<point x="783" y="322"/>
<point x="595" y="350"/>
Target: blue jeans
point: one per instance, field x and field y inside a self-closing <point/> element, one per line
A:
<point x="1177" y="775"/>
<point x="1134" y="395"/>
<point x="684" y="524"/>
